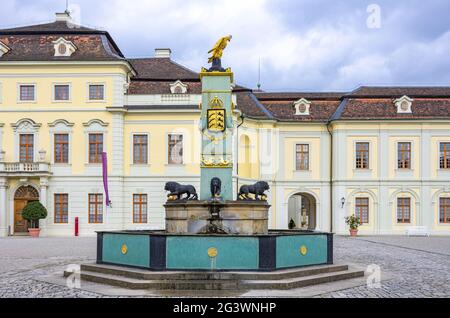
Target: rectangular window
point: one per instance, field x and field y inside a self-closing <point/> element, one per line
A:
<point x="362" y="155"/>
<point x="140" y="149"/>
<point x="61" y="148"/>
<point x="61" y="208"/>
<point x="96" y="92"/>
<point x="175" y="149"/>
<point x="27" y="92"/>
<point x="444" y="210"/>
<point x="139" y="208"/>
<point x="362" y="209"/>
<point x="61" y="92"/>
<point x="26" y="148"/>
<point x="95" y="208"/>
<point x="95" y="148"/>
<point x="404" y="155"/>
<point x="302" y="157"/>
<point x="444" y="156"/>
<point x="404" y="210"/>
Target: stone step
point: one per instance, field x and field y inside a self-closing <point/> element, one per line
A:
<point x="302" y="281"/>
<point x="177" y="275"/>
<point x="288" y="283"/>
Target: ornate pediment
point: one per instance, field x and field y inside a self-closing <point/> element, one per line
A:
<point x="404" y="105"/>
<point x="302" y="107"/>
<point x="26" y="125"/>
<point x="64" y="48"/>
<point x="3" y="49"/>
<point x="178" y="88"/>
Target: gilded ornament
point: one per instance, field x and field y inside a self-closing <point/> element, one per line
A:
<point x="303" y="250"/>
<point x="212" y="252"/>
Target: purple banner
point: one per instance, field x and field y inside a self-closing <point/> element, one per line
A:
<point x="105" y="177"/>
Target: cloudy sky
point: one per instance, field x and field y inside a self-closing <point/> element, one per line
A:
<point x="302" y="44"/>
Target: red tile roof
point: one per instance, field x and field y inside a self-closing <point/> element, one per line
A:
<point x="160" y="87"/>
<point x="34" y="43"/>
<point x="384" y="108"/>
<point x="162" y="69"/>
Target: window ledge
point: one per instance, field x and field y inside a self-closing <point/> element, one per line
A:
<point x="96" y="101"/>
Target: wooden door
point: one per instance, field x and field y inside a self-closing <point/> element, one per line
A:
<point x="20" y="224"/>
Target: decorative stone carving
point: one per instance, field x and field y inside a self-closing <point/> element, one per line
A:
<point x="258" y="190"/>
<point x="216" y="187"/>
<point x="3" y="49"/>
<point x="64" y="48"/>
<point x="404" y="105"/>
<point x="178" y="88"/>
<point x="42" y="155"/>
<point x="302" y="107"/>
<point x="176" y="191"/>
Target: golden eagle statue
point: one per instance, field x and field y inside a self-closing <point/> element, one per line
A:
<point x="217" y="50"/>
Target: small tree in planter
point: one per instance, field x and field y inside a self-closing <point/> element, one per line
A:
<point x="354" y="223"/>
<point x="33" y="212"/>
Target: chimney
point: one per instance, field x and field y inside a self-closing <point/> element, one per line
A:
<point x="64" y="17"/>
<point x="163" y="53"/>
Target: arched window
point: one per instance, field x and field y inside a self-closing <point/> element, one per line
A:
<point x="444" y="210"/>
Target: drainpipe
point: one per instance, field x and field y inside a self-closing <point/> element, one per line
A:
<point x="331" y="174"/>
<point x="242" y="117"/>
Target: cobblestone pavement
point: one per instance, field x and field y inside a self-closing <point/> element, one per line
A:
<point x="417" y="267"/>
<point x="22" y="259"/>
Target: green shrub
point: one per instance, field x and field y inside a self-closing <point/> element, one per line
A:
<point x="353" y="221"/>
<point x="33" y="212"/>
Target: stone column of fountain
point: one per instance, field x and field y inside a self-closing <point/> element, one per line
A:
<point x="216" y="212"/>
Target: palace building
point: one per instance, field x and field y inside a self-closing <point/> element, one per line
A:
<point x="67" y="94"/>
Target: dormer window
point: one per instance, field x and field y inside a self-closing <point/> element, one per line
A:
<point x="302" y="107"/>
<point x="64" y="48"/>
<point x="178" y="88"/>
<point x="403" y="105"/>
<point x="3" y="49"/>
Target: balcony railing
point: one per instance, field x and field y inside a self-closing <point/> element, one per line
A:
<point x="24" y="167"/>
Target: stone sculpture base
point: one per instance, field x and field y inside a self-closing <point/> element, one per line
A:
<point x="235" y="217"/>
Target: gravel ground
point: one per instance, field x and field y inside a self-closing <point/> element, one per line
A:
<point x="419" y="267"/>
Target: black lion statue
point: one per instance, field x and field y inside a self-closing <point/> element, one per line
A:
<point x="257" y="189"/>
<point x="177" y="190"/>
<point x="216" y="187"/>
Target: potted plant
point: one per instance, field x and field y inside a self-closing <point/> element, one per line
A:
<point x="353" y="222"/>
<point x="33" y="212"/>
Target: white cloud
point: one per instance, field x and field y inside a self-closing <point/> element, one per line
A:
<point x="303" y="44"/>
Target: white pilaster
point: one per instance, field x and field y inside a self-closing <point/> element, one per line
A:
<point x="44" y="202"/>
<point x="117" y="217"/>
<point x="3" y="204"/>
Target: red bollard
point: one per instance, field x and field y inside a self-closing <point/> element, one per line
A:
<point x="76" y="226"/>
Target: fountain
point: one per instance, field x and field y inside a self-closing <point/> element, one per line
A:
<point x="211" y="233"/>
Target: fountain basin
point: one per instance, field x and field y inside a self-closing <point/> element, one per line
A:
<point x="162" y="251"/>
<point x="237" y="217"/>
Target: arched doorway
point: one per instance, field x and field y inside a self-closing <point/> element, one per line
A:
<point x="22" y="197"/>
<point x="302" y="211"/>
